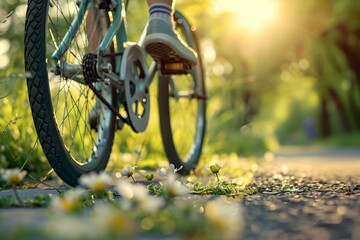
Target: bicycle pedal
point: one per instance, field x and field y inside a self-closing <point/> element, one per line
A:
<point x="175" y="68"/>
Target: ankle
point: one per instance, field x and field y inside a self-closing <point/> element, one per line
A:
<point x="162" y="11"/>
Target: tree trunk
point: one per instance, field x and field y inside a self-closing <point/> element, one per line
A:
<point x="344" y="123"/>
<point x="324" y="127"/>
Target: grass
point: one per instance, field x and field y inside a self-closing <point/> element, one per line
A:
<point x="342" y="140"/>
<point x="37" y="201"/>
<point x="137" y="214"/>
<point x="223" y="188"/>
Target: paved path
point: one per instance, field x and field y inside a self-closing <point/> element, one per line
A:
<point x="305" y="194"/>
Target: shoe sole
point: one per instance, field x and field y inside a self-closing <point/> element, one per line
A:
<point x="162" y="52"/>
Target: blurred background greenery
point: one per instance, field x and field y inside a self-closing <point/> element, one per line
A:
<point x="278" y="73"/>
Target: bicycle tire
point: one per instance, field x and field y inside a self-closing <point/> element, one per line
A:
<point x="61" y="107"/>
<point x="176" y="119"/>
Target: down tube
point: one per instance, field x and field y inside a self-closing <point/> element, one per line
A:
<point x="121" y="40"/>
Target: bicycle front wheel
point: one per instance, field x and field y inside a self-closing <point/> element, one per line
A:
<point x="182" y="105"/>
<point x="75" y="128"/>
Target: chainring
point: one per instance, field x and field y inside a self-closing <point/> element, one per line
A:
<point x="134" y="71"/>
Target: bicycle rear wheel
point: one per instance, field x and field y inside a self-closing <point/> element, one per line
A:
<point x="60" y="98"/>
<point x="182" y="107"/>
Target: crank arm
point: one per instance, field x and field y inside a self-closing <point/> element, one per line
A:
<point x="151" y="73"/>
<point x="114" y="79"/>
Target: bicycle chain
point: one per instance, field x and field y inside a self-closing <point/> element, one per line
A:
<point x="107" y="104"/>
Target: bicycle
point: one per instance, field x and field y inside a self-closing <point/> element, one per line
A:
<point x="85" y="81"/>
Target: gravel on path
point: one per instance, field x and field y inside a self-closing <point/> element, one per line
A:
<point x="306" y="195"/>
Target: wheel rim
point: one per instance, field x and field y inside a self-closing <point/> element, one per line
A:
<point x="186" y="117"/>
<point x="182" y="108"/>
<point x="73" y="101"/>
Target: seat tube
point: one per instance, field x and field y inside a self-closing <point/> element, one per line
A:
<point x="70" y="34"/>
<point x="116" y="28"/>
<point x="121" y="40"/>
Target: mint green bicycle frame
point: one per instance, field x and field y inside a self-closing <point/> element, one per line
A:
<point x="117" y="29"/>
<point x="108" y="86"/>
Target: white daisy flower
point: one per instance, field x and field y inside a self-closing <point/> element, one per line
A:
<point x="173" y="187"/>
<point x="67" y="203"/>
<point x="164" y="171"/>
<point x="128" y="171"/>
<point x="96" y="182"/>
<point x="173" y="169"/>
<point x="72" y="227"/>
<point x="108" y="218"/>
<point x="136" y="197"/>
<point x="13" y="175"/>
<point x="225" y="217"/>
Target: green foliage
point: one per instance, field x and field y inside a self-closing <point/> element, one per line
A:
<point x="223" y="188"/>
<point x="7" y="201"/>
<point x="18" y="140"/>
<point x="154" y="189"/>
<point x="279" y="76"/>
<point x="12" y="16"/>
<point x="37" y="201"/>
<point x="261" y="86"/>
<point x="343" y="140"/>
<point x="137" y="214"/>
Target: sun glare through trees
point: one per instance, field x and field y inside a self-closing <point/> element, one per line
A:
<point x="253" y="15"/>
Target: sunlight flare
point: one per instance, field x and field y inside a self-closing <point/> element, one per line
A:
<point x="252" y="15"/>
